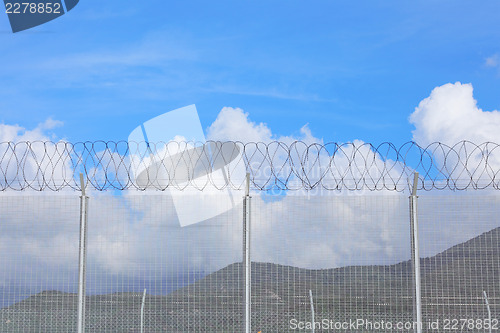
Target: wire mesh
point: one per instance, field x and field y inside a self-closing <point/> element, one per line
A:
<point x="38" y="262"/>
<point x="350" y="251"/>
<point x="460" y="260"/>
<point x="310" y="236"/>
<point x="192" y="275"/>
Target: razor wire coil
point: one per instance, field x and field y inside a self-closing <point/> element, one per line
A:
<point x="298" y="165"/>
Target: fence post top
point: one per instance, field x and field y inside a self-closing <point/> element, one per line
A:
<point x="415" y="184"/>
<point x="82" y="184"/>
<point x="247" y="189"/>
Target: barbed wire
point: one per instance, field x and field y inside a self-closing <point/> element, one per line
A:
<point x="298" y="165"/>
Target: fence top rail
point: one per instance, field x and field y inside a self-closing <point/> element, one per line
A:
<point x="294" y="165"/>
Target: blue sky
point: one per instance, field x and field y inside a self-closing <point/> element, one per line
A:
<point x="349" y="69"/>
<point x="352" y="70"/>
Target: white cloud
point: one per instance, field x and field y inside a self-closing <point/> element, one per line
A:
<point x="34" y="152"/>
<point x="234" y="124"/>
<point x="16" y="133"/>
<point x="450" y="114"/>
<point x="330" y="231"/>
<point x="302" y="159"/>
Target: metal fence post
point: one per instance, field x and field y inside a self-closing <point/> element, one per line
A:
<point x="415" y="258"/>
<point x="246" y="255"/>
<point x="489" y="310"/>
<point x="313" y="321"/>
<point x="82" y="257"/>
<point x="142" y="310"/>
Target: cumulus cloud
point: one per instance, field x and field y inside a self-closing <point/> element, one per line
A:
<point x="16" y="133"/>
<point x="37" y="159"/>
<point x="451" y="114"/>
<point x="303" y="158"/>
<point x="234" y="124"/>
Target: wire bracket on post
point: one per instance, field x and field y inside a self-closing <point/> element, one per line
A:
<point x="415" y="257"/>
<point x="82" y="257"/>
